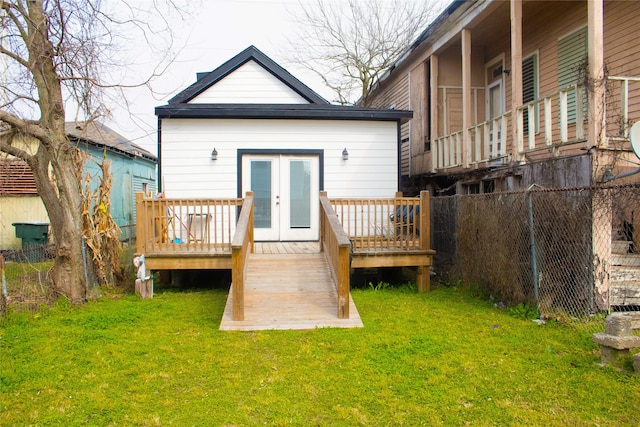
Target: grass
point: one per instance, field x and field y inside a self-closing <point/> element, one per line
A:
<point x="441" y="358"/>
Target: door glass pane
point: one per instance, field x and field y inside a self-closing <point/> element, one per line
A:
<point x="261" y="187"/>
<point x="300" y="193"/>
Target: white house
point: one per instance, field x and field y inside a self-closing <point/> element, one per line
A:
<point x="249" y="125"/>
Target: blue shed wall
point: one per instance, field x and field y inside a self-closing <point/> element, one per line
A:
<point x="129" y="175"/>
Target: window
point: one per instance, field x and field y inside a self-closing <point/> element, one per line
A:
<point x="572" y="56"/>
<point x="530" y="87"/>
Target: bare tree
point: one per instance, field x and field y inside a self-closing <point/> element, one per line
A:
<point x="58" y="55"/>
<point x="349" y="44"/>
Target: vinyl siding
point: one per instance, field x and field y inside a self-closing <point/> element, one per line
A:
<point x="249" y="84"/>
<point x="188" y="171"/>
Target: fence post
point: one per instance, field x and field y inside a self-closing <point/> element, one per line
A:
<point x="424" y="275"/>
<point x="534" y="255"/>
<point x="3" y="305"/>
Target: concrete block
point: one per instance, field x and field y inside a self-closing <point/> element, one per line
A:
<point x="617" y="342"/>
<point x="621" y="324"/>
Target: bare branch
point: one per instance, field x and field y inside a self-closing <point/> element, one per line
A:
<point x="349" y="45"/>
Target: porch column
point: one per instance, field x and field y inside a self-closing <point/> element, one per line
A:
<point x="433" y="93"/>
<point x="516" y="76"/>
<point x="596" y="89"/>
<point x="467" y="106"/>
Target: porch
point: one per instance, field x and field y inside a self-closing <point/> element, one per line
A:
<point x="544" y="127"/>
<point x="289" y="285"/>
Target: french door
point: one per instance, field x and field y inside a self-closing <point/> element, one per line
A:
<point x="285" y="189"/>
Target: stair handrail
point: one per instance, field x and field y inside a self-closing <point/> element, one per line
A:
<point x="337" y="249"/>
<point x="241" y="246"/>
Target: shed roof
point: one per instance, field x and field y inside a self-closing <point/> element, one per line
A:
<point x="102" y="136"/>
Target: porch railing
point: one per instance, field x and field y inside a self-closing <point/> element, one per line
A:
<point x="241" y="247"/>
<point x="337" y="248"/>
<point x="619" y="116"/>
<point x="487" y="142"/>
<point x="552" y="121"/>
<point x="391" y="224"/>
<point x="185" y="225"/>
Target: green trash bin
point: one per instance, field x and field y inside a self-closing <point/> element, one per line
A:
<point x="33" y="234"/>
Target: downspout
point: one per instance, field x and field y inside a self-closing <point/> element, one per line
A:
<point x="399" y="153"/>
<point x="159" y="183"/>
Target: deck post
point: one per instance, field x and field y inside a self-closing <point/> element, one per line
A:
<point x="252" y="246"/>
<point x="344" y="282"/>
<point x="237" y="283"/>
<point x="323" y="194"/>
<point x="424" y="277"/>
<point x="141" y="235"/>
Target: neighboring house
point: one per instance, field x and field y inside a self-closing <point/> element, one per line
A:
<point x="508" y="94"/>
<point x="133" y="170"/>
<point x="249" y="125"/>
<point x="494" y="86"/>
<point x="19" y="200"/>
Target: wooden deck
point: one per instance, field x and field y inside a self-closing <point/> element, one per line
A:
<point x="288" y="286"/>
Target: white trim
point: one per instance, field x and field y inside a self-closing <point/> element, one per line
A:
<point x="499" y="59"/>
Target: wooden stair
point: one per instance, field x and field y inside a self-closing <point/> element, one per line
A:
<point x="624" y="289"/>
<point x="289" y="291"/>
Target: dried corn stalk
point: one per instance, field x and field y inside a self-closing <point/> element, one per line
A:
<point x="100" y="232"/>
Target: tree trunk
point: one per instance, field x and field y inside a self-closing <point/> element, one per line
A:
<point x="57" y="165"/>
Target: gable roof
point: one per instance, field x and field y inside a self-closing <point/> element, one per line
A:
<point x="206" y="80"/>
<point x="317" y="109"/>
<point x="102" y="136"/>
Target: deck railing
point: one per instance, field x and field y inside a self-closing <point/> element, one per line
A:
<point x="393" y="224"/>
<point x="241" y="247"/>
<point x="185" y="225"/>
<point x="335" y="244"/>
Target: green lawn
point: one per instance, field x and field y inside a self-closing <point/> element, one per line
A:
<point x="441" y="358"/>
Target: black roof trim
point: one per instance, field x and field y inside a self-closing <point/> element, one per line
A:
<point x="206" y="80"/>
<point x="280" y="111"/>
<point x="440" y="20"/>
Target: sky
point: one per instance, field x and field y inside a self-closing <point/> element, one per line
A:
<point x="215" y="32"/>
<point x="218" y="31"/>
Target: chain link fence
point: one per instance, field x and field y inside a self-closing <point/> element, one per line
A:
<point x="25" y="274"/>
<point x="573" y="254"/>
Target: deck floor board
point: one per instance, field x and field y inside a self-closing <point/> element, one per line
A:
<point x="289" y="286"/>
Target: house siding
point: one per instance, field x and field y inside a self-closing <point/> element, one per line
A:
<point x="622" y="51"/>
<point x="188" y="171"/>
<point x="397" y="96"/>
<point x="249" y="84"/>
